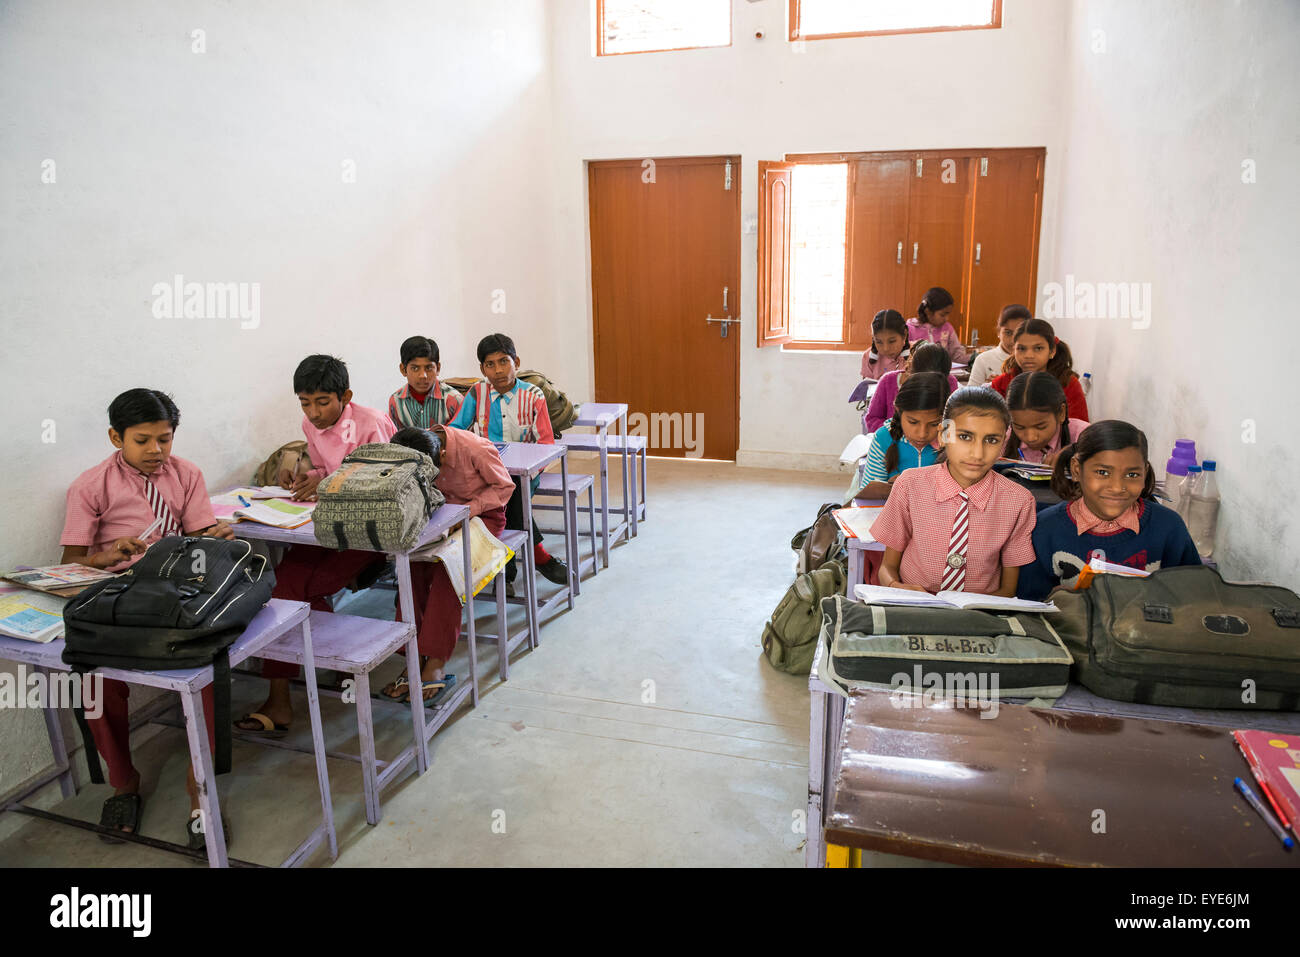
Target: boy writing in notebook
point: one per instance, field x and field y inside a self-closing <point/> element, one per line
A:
<point x="502" y="408"/>
<point x="115" y="511"/>
<point x="334" y="425"/>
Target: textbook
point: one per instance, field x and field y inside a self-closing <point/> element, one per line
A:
<point x="970" y="600"/>
<point x="487" y="552"/>
<point x="1032" y="471"/>
<point x="1276" y="757"/>
<point x="30" y="615"/>
<point x="856" y="521"/>
<point x="858" y="446"/>
<point x="58" y="579"/>
<point x="276" y="511"/>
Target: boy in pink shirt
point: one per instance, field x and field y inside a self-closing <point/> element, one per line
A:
<point x="140" y="487"/>
<point x="334" y="426"/>
<point x="470" y="473"/>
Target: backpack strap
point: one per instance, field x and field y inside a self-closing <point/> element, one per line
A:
<point x="221" y="710"/>
<point x="88" y="739"/>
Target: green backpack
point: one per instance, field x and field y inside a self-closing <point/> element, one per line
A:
<point x="563" y="413"/>
<point x="380" y="499"/>
<point x="790" y="637"/>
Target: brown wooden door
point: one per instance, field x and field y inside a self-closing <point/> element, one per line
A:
<point x="878" y="250"/>
<point x="665" y="243"/>
<point x="938" y="227"/>
<point x="1004" y="251"/>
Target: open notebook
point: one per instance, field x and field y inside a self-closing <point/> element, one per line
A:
<point x="31" y="615"/>
<point x="880" y="595"/>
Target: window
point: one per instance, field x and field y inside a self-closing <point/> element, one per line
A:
<point x="818" y="206"/>
<point x="823" y="19"/>
<point x="643" y="26"/>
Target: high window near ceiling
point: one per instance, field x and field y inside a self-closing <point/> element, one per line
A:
<point x="827" y="19"/>
<point x="645" y="26"/>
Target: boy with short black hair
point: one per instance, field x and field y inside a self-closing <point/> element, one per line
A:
<point x="503" y="408"/>
<point x="334" y="426"/>
<point x="140" y="488"/>
<point x="425" y="400"/>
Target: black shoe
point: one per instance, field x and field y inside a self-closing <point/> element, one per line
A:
<point x="555" y="571"/>
<point x="512" y="571"/>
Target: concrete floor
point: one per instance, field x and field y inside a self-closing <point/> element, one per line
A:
<point x="645" y="730"/>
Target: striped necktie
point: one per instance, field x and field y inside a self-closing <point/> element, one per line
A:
<point x="160" y="510"/>
<point x="954" y="576"/>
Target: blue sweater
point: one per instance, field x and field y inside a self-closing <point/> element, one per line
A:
<point x="1162" y="541"/>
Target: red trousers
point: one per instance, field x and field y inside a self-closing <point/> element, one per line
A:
<point x="312" y="574"/>
<point x="112" y="734"/>
<point x="437" y="606"/>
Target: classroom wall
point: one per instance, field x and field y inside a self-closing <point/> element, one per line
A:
<point x="762" y="99"/>
<point x="227" y="166"/>
<point x="1164" y="101"/>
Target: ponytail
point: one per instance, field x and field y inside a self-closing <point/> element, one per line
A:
<point x="1108" y="435"/>
<point x="1066" y="488"/>
<point x="1061" y="365"/>
<point x="922" y="392"/>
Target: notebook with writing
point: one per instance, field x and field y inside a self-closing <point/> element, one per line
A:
<point x="1277" y="759"/>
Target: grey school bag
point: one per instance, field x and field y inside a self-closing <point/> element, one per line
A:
<point x="790" y="636"/>
<point x="379" y="498"/>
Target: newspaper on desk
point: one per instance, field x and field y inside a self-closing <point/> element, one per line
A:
<point x="487" y="552"/>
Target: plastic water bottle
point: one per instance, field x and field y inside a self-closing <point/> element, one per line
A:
<point x="1086" y="383"/>
<point x="1186" y="486"/>
<point x="1175" y="472"/>
<point x="1203" y="512"/>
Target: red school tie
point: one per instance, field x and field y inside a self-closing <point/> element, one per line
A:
<point x="160" y="510"/>
<point x="954" y="575"/>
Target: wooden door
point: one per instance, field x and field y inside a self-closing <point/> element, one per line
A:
<point x="1004" y="252"/>
<point x="665" y="253"/>
<point x="938" y="230"/>
<point x="879" y="253"/>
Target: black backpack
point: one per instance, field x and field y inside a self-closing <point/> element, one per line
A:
<point x="182" y="605"/>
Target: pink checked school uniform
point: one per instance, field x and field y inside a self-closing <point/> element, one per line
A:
<point x="874" y="366"/>
<point x="1034" y="456"/>
<point x="112" y="501"/>
<point x="945" y="335"/>
<point x="953" y="538"/>
<point x="356" y="425"/>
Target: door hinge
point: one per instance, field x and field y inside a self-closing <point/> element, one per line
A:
<point x="727" y="182"/>
<point x="984" y="166"/>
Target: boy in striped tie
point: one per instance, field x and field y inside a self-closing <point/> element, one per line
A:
<point x="116" y="510"/>
<point x="958" y="525"/>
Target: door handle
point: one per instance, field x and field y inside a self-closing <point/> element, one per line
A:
<point x="724" y="298"/>
<point x="916" y="247"/>
<point x="899" y="260"/>
<point x="977" y="254"/>
<point x="726" y="322"/>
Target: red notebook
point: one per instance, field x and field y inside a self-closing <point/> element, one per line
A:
<point x="1277" y="759"/>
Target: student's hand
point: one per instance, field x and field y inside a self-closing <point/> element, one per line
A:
<point x="1050" y="457"/>
<point x="119" y="551"/>
<point x="908" y="587"/>
<point x="219" y="530"/>
<point x="304" y="488"/>
<point x="284" y="479"/>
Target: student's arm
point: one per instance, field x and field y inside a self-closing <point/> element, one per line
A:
<point x="1007" y="587"/>
<point x="952" y="342"/>
<point x="499" y="485"/>
<point x="1179" y="548"/>
<point x="893" y="529"/>
<point x="119" y="551"/>
<point x="877" y="410"/>
<point x="1036" y="579"/>
<point x="875" y="490"/>
<point x="454" y="401"/>
<point x="392" y="412"/>
<point x="890" y="576"/>
<point x="464" y="418"/>
<point x="545" y="434"/>
<point x="85" y="504"/>
<point x="197" y="517"/>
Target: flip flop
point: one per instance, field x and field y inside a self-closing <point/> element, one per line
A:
<point x="398" y="698"/>
<point x="269" y="728"/>
<point x="195" y="839"/>
<point x="444" y="688"/>
<point x="121" y="810"/>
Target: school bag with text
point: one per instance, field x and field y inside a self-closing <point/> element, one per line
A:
<point x="379" y="498"/>
<point x="563" y="413"/>
<point x="790" y="635"/>
<point x="292" y="456"/>
<point x="181" y="605"/>
<point x="1183" y="637"/>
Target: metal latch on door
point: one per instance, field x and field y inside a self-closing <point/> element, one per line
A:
<point x="724" y="320"/>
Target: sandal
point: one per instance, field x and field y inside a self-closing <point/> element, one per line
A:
<point x="194" y="835"/>
<point x="121" y="811"/>
<point x="400" y="694"/>
<point x="268" y="729"/>
<point x="443" y="687"/>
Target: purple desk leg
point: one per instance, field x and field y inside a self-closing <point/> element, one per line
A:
<point x="604" y="496"/>
<point x="58" y="747"/>
<point x="205" y="777"/>
<point x="854" y="576"/>
<point x="405" y="591"/>
<point x="318" y="746"/>
<point x="530" y="561"/>
<point x="469" y="610"/>
<point x="570" y="526"/>
<point x="366" y="732"/>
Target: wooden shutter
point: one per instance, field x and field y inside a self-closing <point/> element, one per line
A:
<point x="1004" y="247"/>
<point x="878" y="224"/>
<point x="774" y="252"/>
<point x="938" y="226"/>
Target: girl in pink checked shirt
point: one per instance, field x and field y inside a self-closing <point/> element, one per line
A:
<point x="931" y="322"/>
<point x="1040" y="419"/>
<point x="889" y="344"/>
<point x="958" y="525"/>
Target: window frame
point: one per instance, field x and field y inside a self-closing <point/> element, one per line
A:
<point x="794" y="35"/>
<point x="600" y="35"/>
<point x="843" y="344"/>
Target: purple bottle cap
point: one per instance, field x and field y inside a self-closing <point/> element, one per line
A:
<point x="1176" y="466"/>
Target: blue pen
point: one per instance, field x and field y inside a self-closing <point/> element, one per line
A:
<point x="244" y="502"/>
<point x="1255" y="802"/>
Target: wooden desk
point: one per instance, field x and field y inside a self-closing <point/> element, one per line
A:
<point x="527" y="460"/>
<point x="1025" y="788"/>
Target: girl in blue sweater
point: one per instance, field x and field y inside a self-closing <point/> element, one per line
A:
<point x="1108" y="512"/>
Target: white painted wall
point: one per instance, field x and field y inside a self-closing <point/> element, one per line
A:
<point x="1157" y="129"/>
<point x="761" y="99"/>
<point x="226" y="166"/>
